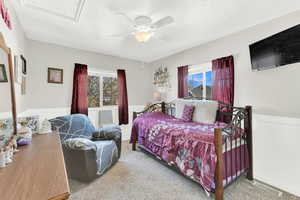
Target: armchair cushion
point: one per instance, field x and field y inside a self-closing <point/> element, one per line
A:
<point x="73" y="126"/>
<point x="87" y="160"/>
<point x="80" y="144"/>
<point x="109" y="132"/>
<point x="107" y="155"/>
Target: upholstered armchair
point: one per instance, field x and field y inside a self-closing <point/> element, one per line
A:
<point x="88" y="152"/>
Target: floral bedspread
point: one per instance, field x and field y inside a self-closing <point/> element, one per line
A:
<point x="188" y="145"/>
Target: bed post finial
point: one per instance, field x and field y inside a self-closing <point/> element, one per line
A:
<point x="219" y="167"/>
<point x="248" y="129"/>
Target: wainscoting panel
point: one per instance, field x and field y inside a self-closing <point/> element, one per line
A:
<point x="276" y="151"/>
<point x="49" y="113"/>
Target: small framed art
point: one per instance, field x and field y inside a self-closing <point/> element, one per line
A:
<point x="3" y="75"/>
<point x="55" y="75"/>
<point x="18" y="70"/>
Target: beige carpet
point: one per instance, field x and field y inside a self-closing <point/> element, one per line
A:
<point x="139" y="177"/>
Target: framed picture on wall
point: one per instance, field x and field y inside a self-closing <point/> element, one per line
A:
<point x="3" y="75"/>
<point x="55" y="75"/>
<point x="24" y="65"/>
<point x="18" y="70"/>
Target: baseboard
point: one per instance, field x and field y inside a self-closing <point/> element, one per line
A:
<point x="279" y="190"/>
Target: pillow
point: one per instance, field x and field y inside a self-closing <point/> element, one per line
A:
<point x="205" y="111"/>
<point x="179" y="106"/>
<point x="80" y="143"/>
<point x="187" y="114"/>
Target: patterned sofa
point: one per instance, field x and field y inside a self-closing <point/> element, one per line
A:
<point x="88" y="152"/>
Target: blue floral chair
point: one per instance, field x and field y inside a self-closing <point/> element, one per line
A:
<point x="88" y="152"/>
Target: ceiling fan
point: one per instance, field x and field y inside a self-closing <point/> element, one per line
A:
<point x="144" y="28"/>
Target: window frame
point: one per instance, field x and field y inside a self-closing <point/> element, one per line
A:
<point x="201" y="68"/>
<point x="101" y="75"/>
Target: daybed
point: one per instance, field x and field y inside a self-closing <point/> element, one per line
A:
<point x="212" y="154"/>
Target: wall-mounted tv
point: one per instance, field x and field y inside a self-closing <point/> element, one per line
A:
<point x="277" y="50"/>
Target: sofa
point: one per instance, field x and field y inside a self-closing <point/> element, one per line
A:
<point x="88" y="152"/>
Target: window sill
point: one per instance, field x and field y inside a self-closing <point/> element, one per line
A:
<point x="104" y="108"/>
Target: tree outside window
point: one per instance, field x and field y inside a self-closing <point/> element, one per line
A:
<point x="110" y="91"/>
<point x="102" y="90"/>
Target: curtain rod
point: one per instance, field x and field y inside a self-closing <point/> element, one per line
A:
<point x="234" y="55"/>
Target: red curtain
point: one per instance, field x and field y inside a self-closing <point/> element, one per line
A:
<point x="223" y="79"/>
<point x="80" y="84"/>
<point x="122" y="98"/>
<point x="183" y="73"/>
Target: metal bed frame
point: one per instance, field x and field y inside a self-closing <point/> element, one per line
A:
<point x="240" y="119"/>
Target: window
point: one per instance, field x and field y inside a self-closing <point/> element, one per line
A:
<point x="94" y="91"/>
<point x="200" y="81"/>
<point x="110" y="91"/>
<point x="102" y="90"/>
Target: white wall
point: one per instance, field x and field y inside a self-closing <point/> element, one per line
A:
<point x="16" y="40"/>
<point x="45" y="95"/>
<point x="272" y="93"/>
<point x="52" y="100"/>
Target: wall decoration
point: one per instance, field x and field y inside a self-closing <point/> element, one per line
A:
<point x="3" y="75"/>
<point x="18" y="70"/>
<point x="23" y="85"/>
<point x="161" y="77"/>
<point x="5" y="14"/>
<point x="24" y="65"/>
<point x="55" y="75"/>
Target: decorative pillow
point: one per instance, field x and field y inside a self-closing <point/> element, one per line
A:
<point x="205" y="111"/>
<point x="187" y="114"/>
<point x="179" y="106"/>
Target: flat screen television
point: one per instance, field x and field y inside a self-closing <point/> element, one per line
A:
<point x="275" y="51"/>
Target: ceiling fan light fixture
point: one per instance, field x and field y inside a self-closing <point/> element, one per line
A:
<point x="143" y="36"/>
<point x="144" y="28"/>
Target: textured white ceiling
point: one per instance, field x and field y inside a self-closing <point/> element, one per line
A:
<point x="68" y="9"/>
<point x="94" y="29"/>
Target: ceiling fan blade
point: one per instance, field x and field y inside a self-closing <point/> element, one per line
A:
<point x="163" y="22"/>
<point x="121" y="35"/>
<point x="161" y="38"/>
<point x="126" y="17"/>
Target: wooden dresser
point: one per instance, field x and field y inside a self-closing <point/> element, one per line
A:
<point x="37" y="173"/>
